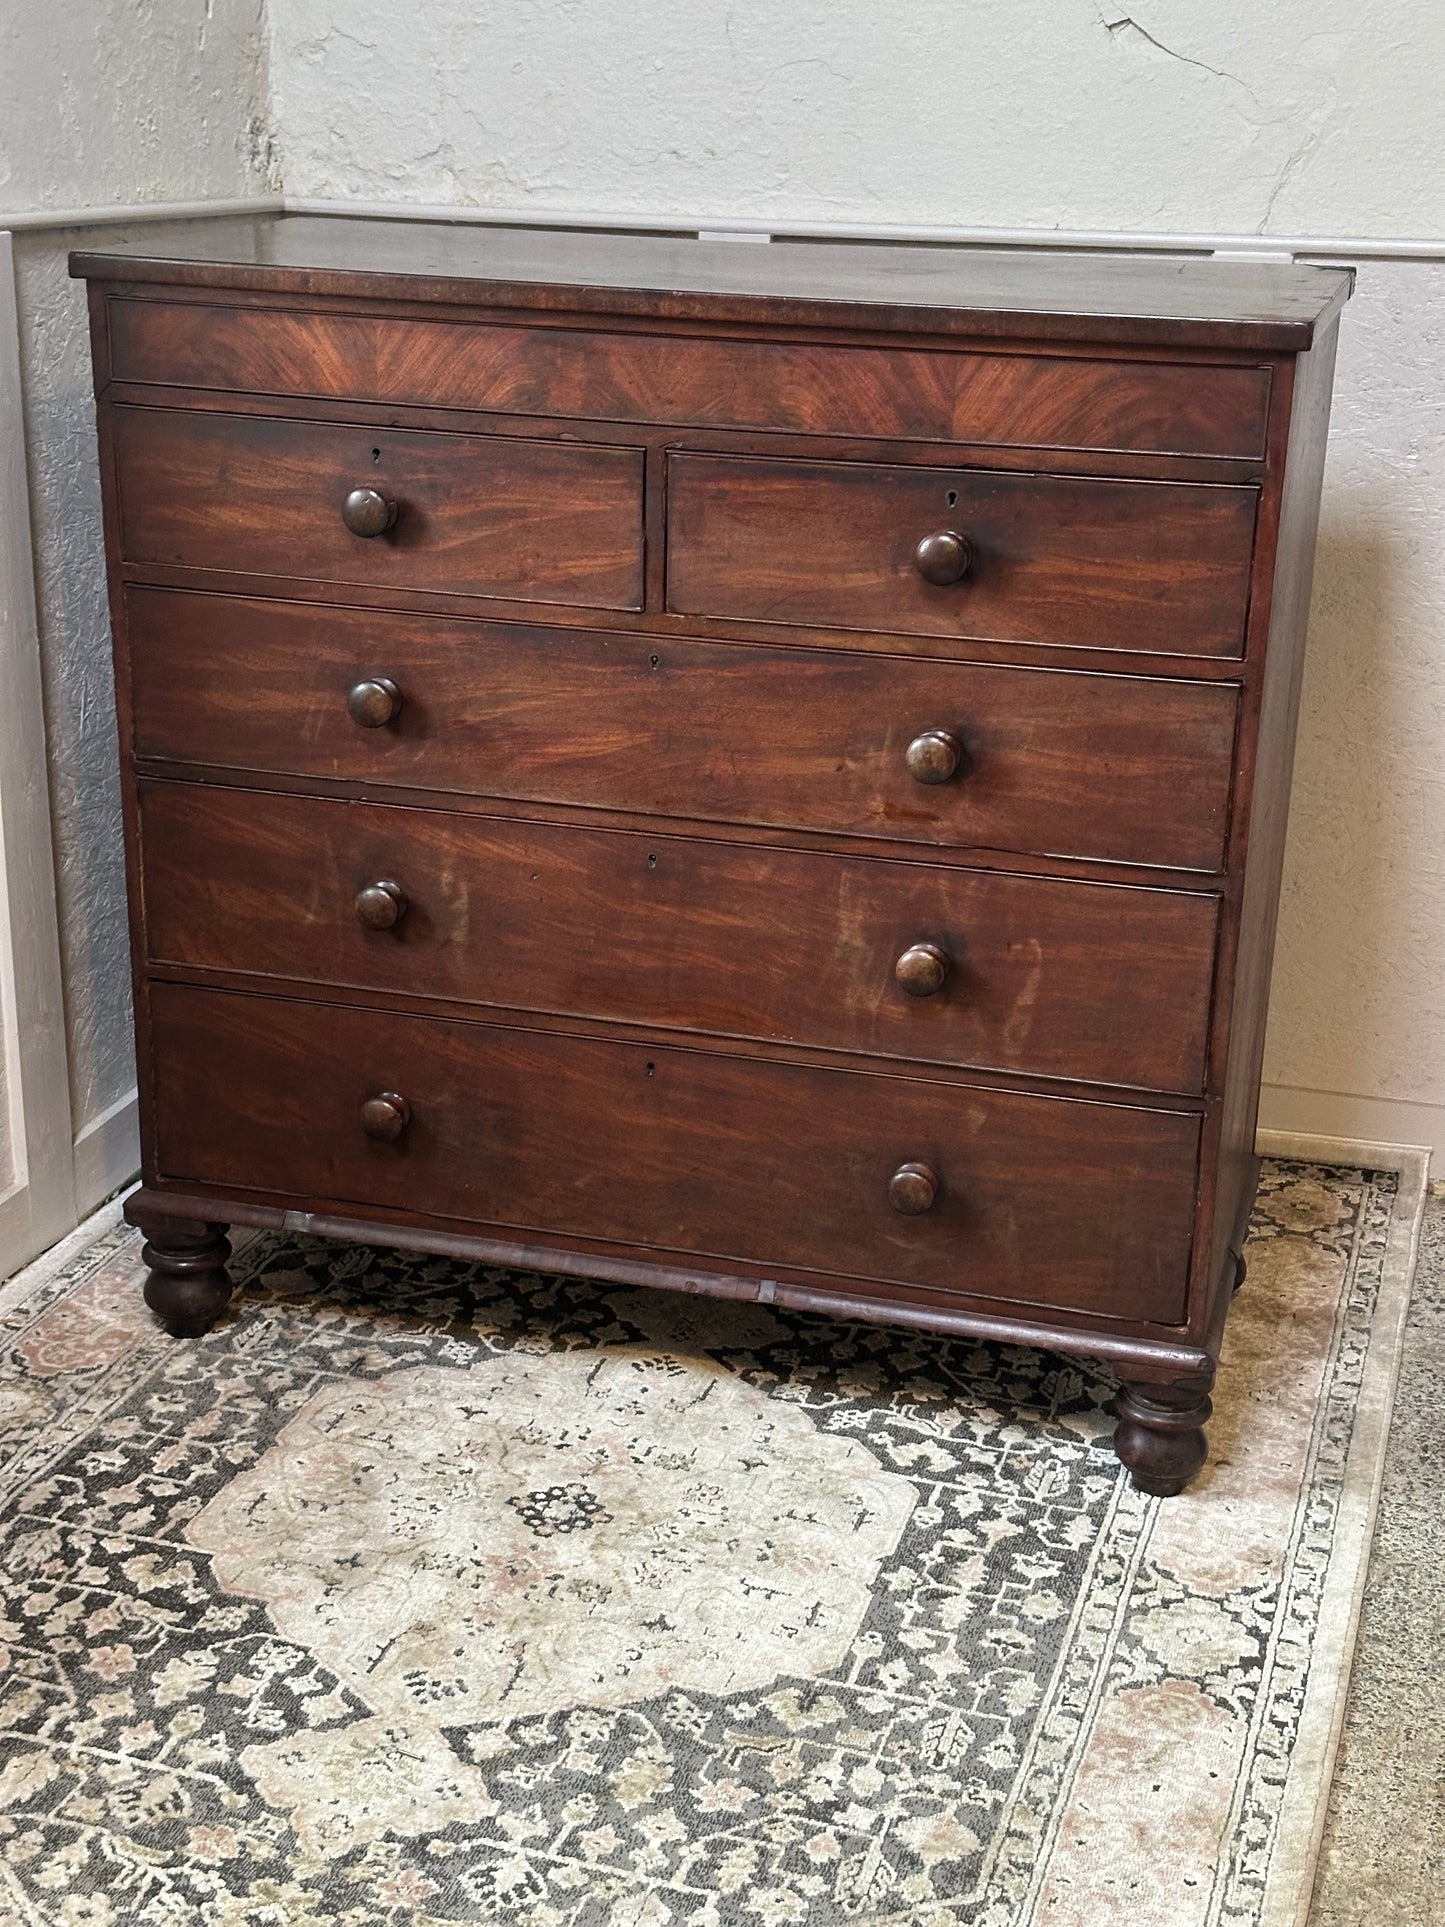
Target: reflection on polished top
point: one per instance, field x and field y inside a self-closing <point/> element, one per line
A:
<point x="951" y="290"/>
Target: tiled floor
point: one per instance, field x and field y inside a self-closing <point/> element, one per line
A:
<point x="1383" y="1860"/>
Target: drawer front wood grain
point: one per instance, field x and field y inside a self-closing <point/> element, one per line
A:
<point x="1042" y="1201"/>
<point x="810" y="388"/>
<point x="1126" y="769"/>
<point x="475" y="515"/>
<point x="1065" y="979"/>
<point x="1160" y="566"/>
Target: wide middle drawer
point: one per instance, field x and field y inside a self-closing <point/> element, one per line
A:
<point x="479" y="515"/>
<point x="1116" y="768"/>
<point x="968" y="967"/>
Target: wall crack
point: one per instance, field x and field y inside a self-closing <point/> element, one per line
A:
<point x="1125" y="23"/>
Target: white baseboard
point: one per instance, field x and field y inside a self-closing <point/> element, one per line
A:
<point x="1411" y="1161"/>
<point x="1367" y="1121"/>
<point x="107" y="1153"/>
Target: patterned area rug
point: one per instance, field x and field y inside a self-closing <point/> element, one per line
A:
<point x="422" y="1592"/>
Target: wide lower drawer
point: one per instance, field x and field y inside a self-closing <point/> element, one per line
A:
<point x="1043" y="1201"/>
<point x="815" y="388"/>
<point x="1128" y="769"/>
<point x="473" y="514"/>
<point x="967" y="967"/>
<point x="1160" y="566"/>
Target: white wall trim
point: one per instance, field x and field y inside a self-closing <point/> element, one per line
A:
<point x="107" y="1152"/>
<point x="1307" y="247"/>
<point x="128" y="213"/>
<point x="1412" y="1161"/>
<point x="1311" y="247"/>
<point x="1341" y="1114"/>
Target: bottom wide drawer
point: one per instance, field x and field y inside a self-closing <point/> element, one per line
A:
<point x="936" y="1187"/>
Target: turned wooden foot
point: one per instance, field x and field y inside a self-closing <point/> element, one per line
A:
<point x="188" y="1288"/>
<point x="1160" y="1434"/>
<point x="1240" y="1271"/>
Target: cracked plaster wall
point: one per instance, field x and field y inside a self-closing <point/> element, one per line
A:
<point x="1168" y="115"/>
<point x="107" y="102"/>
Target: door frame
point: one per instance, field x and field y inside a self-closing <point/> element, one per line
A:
<point x="38" y="1204"/>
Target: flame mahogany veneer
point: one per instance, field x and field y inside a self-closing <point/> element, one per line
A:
<point x="756" y="771"/>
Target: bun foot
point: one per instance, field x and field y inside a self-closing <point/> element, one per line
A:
<point x="1160" y="1435"/>
<point x="1240" y="1271"/>
<point x="188" y="1288"/>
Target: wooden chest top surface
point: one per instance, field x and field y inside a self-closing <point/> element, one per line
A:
<point x="1045" y="294"/>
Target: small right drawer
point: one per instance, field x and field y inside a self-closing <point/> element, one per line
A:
<point x="962" y="553"/>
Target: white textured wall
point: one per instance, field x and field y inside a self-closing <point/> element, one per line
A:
<point x="1319" y="117"/>
<point x="1358" y="1006"/>
<point x="1146" y="114"/>
<point x="114" y="101"/>
<point x="101" y="101"/>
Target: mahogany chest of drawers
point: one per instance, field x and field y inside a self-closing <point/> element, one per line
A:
<point x="756" y="770"/>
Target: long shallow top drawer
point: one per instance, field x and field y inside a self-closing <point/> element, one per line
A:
<point x="909" y="394"/>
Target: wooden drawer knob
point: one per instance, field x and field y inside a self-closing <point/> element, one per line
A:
<point x="366" y="511"/>
<point x="934" y="756"/>
<point x="387" y="1115"/>
<point x="912" y="1189"/>
<point x="381" y="906"/>
<point x="921" y="969"/>
<point x="944" y="558"/>
<point x="373" y="702"/>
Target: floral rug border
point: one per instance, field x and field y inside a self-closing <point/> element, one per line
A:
<point x="1303" y="1800"/>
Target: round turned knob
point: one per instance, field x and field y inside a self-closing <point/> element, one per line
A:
<point x="373" y="702"/>
<point x="934" y="756"/>
<point x="366" y="511"/>
<point x="944" y="558"/>
<point x="921" y="969"/>
<point x="912" y="1189"/>
<point x="381" y="906"/>
<point x="387" y="1115"/>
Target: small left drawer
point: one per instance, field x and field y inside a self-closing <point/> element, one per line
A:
<point x="474" y="515"/>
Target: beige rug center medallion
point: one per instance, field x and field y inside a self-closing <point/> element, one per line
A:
<point x="421" y="1592"/>
<point x="532" y="1535"/>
